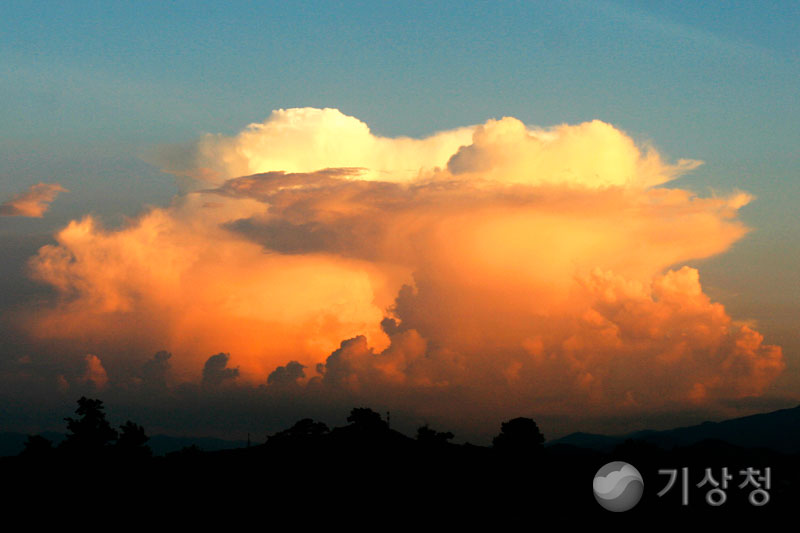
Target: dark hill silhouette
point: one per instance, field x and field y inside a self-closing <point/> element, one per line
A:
<point x="591" y="441"/>
<point x="777" y="430"/>
<point x="12" y="443"/>
<point x="164" y="444"/>
<point x="365" y="471"/>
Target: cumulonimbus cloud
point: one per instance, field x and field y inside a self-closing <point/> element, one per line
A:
<point x="306" y="140"/>
<point x="32" y="203"/>
<point x="503" y="263"/>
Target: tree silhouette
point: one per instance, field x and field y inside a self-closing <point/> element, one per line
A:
<point x="132" y="441"/>
<point x="366" y="419"/>
<point x="519" y="435"/>
<point x="37" y="446"/>
<point x="302" y="429"/>
<point x="91" y="433"/>
<point x="428" y="436"/>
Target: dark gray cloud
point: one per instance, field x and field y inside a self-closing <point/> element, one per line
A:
<point x="215" y="371"/>
<point x="287" y="375"/>
<point x="267" y="185"/>
<point x="154" y="371"/>
<point x="339" y="366"/>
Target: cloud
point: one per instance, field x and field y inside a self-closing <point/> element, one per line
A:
<point x="95" y="373"/>
<point x="488" y="268"/>
<point x="215" y="371"/>
<point x="62" y="384"/>
<point x="287" y="375"/>
<point x="154" y="371"/>
<point x="32" y="203"/>
<point x="593" y="154"/>
<point x="175" y="279"/>
<point x="306" y="140"/>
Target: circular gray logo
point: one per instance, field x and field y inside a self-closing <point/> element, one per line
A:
<point x="618" y="486"/>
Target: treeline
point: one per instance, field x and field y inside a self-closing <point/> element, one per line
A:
<point x="92" y="437"/>
<point x="372" y="470"/>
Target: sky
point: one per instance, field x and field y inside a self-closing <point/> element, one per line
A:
<point x="220" y="218"/>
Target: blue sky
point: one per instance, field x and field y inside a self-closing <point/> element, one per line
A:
<point x="88" y="88"/>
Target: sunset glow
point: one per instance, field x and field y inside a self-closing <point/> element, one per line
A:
<point x="527" y="265"/>
<point x="222" y="218"/>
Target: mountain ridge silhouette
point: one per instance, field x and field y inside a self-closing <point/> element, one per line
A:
<point x="775" y="430"/>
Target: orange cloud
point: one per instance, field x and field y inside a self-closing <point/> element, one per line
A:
<point x="95" y="372"/>
<point x="176" y="279"/>
<point x="518" y="266"/>
<point x="32" y="203"/>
